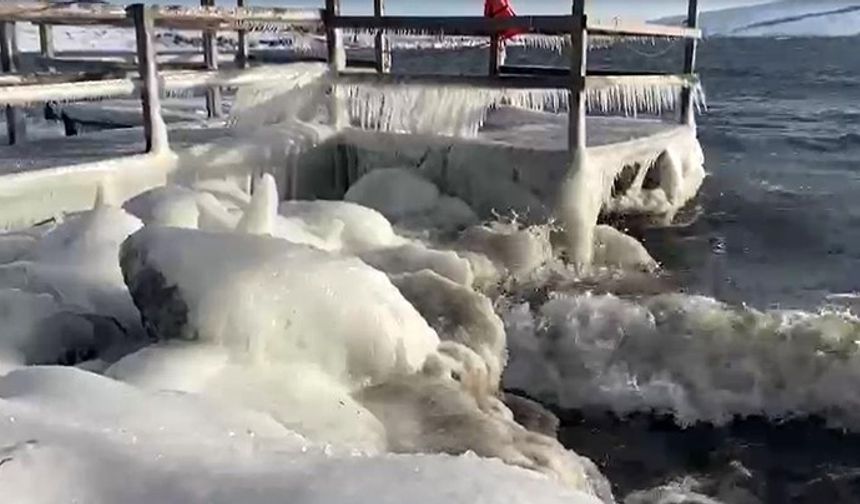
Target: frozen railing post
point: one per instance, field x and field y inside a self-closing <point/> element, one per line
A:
<point x="46" y="45"/>
<point x="336" y="60"/>
<point x="688" y="115"/>
<point x="15" y="123"/>
<point x="210" y="58"/>
<point x="241" y="43"/>
<point x="578" y="65"/>
<point x="382" y="48"/>
<point x="144" y="26"/>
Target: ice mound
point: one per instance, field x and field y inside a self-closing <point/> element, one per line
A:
<point x="272" y="299"/>
<point x="74" y="264"/>
<point x="414" y="257"/>
<point x="690" y="357"/>
<point x="614" y="249"/>
<point x="69" y="435"/>
<point x="407" y="199"/>
<point x="459" y="314"/>
<point x="359" y="228"/>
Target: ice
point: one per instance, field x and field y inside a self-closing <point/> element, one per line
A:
<point x="687" y="356"/>
<point x="72" y="435"/>
<point x="457" y="110"/>
<point x="414" y="257"/>
<point x="396" y="193"/>
<point x="239" y="309"/>
<point x="358" y="228"/>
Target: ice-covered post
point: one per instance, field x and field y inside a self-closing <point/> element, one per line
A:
<point x="688" y="115"/>
<point x="15" y="123"/>
<point x="46" y="45"/>
<point x="210" y="58"/>
<point x="382" y="47"/>
<point x="336" y="60"/>
<point x="241" y="43"/>
<point x="581" y="195"/>
<point x="578" y="64"/>
<point x="153" y="125"/>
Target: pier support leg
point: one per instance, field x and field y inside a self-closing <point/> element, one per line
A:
<point x="16" y="126"/>
<point x="241" y="43"/>
<point x="210" y="57"/>
<point x="688" y="113"/>
<point x="153" y="124"/>
<point x="578" y="64"/>
<point x="382" y="46"/>
<point x="46" y="51"/>
<point x="336" y="62"/>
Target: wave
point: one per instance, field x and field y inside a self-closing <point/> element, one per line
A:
<point x="690" y="357"/>
<point x="839" y="143"/>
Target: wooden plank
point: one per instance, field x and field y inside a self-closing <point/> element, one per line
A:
<point x="488" y="81"/>
<point x="381" y="45"/>
<point x="688" y="114"/>
<point x="242" y="45"/>
<point x="144" y="28"/>
<point x="634" y="29"/>
<point x="576" y="133"/>
<point x="551" y="70"/>
<point x="457" y="25"/>
<point x="16" y="125"/>
<point x="210" y="58"/>
<point x="163" y="16"/>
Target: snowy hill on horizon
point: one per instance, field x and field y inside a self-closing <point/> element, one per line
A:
<point x="825" y="18"/>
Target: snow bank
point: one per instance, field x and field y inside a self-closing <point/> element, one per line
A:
<point x="71" y="435"/>
<point x="690" y="357"/>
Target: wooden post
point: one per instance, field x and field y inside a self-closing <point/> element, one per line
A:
<point x="16" y="126"/>
<point x="153" y="125"/>
<point x="495" y="54"/>
<point x="336" y="61"/>
<point x="46" y="45"/>
<point x="578" y="65"/>
<point x="241" y="43"/>
<point x="210" y="57"/>
<point x="688" y="115"/>
<point x="382" y="46"/>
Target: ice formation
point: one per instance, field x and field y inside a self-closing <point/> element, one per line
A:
<point x="461" y="110"/>
<point x="72" y="435"/>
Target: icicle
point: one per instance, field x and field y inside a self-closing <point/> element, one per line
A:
<point x="259" y="217"/>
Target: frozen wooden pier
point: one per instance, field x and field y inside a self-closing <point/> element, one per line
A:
<point x="148" y="76"/>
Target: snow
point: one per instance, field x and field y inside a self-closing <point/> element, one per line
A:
<point x="72" y="435"/>
<point x="686" y="356"/>
<point x="823" y="18"/>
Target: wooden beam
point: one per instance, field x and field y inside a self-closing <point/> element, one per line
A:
<point x="163" y="16"/>
<point x="576" y="141"/>
<point x="457" y="25"/>
<point x="495" y="54"/>
<point x="16" y="125"/>
<point x="153" y="124"/>
<point x="634" y="29"/>
<point x="499" y="81"/>
<point x="46" y="45"/>
<point x="210" y="57"/>
<point x="242" y="46"/>
<point x="688" y="113"/>
<point x="382" y="46"/>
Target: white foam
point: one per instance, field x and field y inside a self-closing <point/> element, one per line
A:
<point x="691" y="357"/>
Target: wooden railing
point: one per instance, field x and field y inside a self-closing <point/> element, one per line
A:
<point x="210" y="19"/>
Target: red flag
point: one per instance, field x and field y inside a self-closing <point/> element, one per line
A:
<point x="501" y="9"/>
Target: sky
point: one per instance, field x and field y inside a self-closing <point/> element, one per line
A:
<point x="604" y="9"/>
